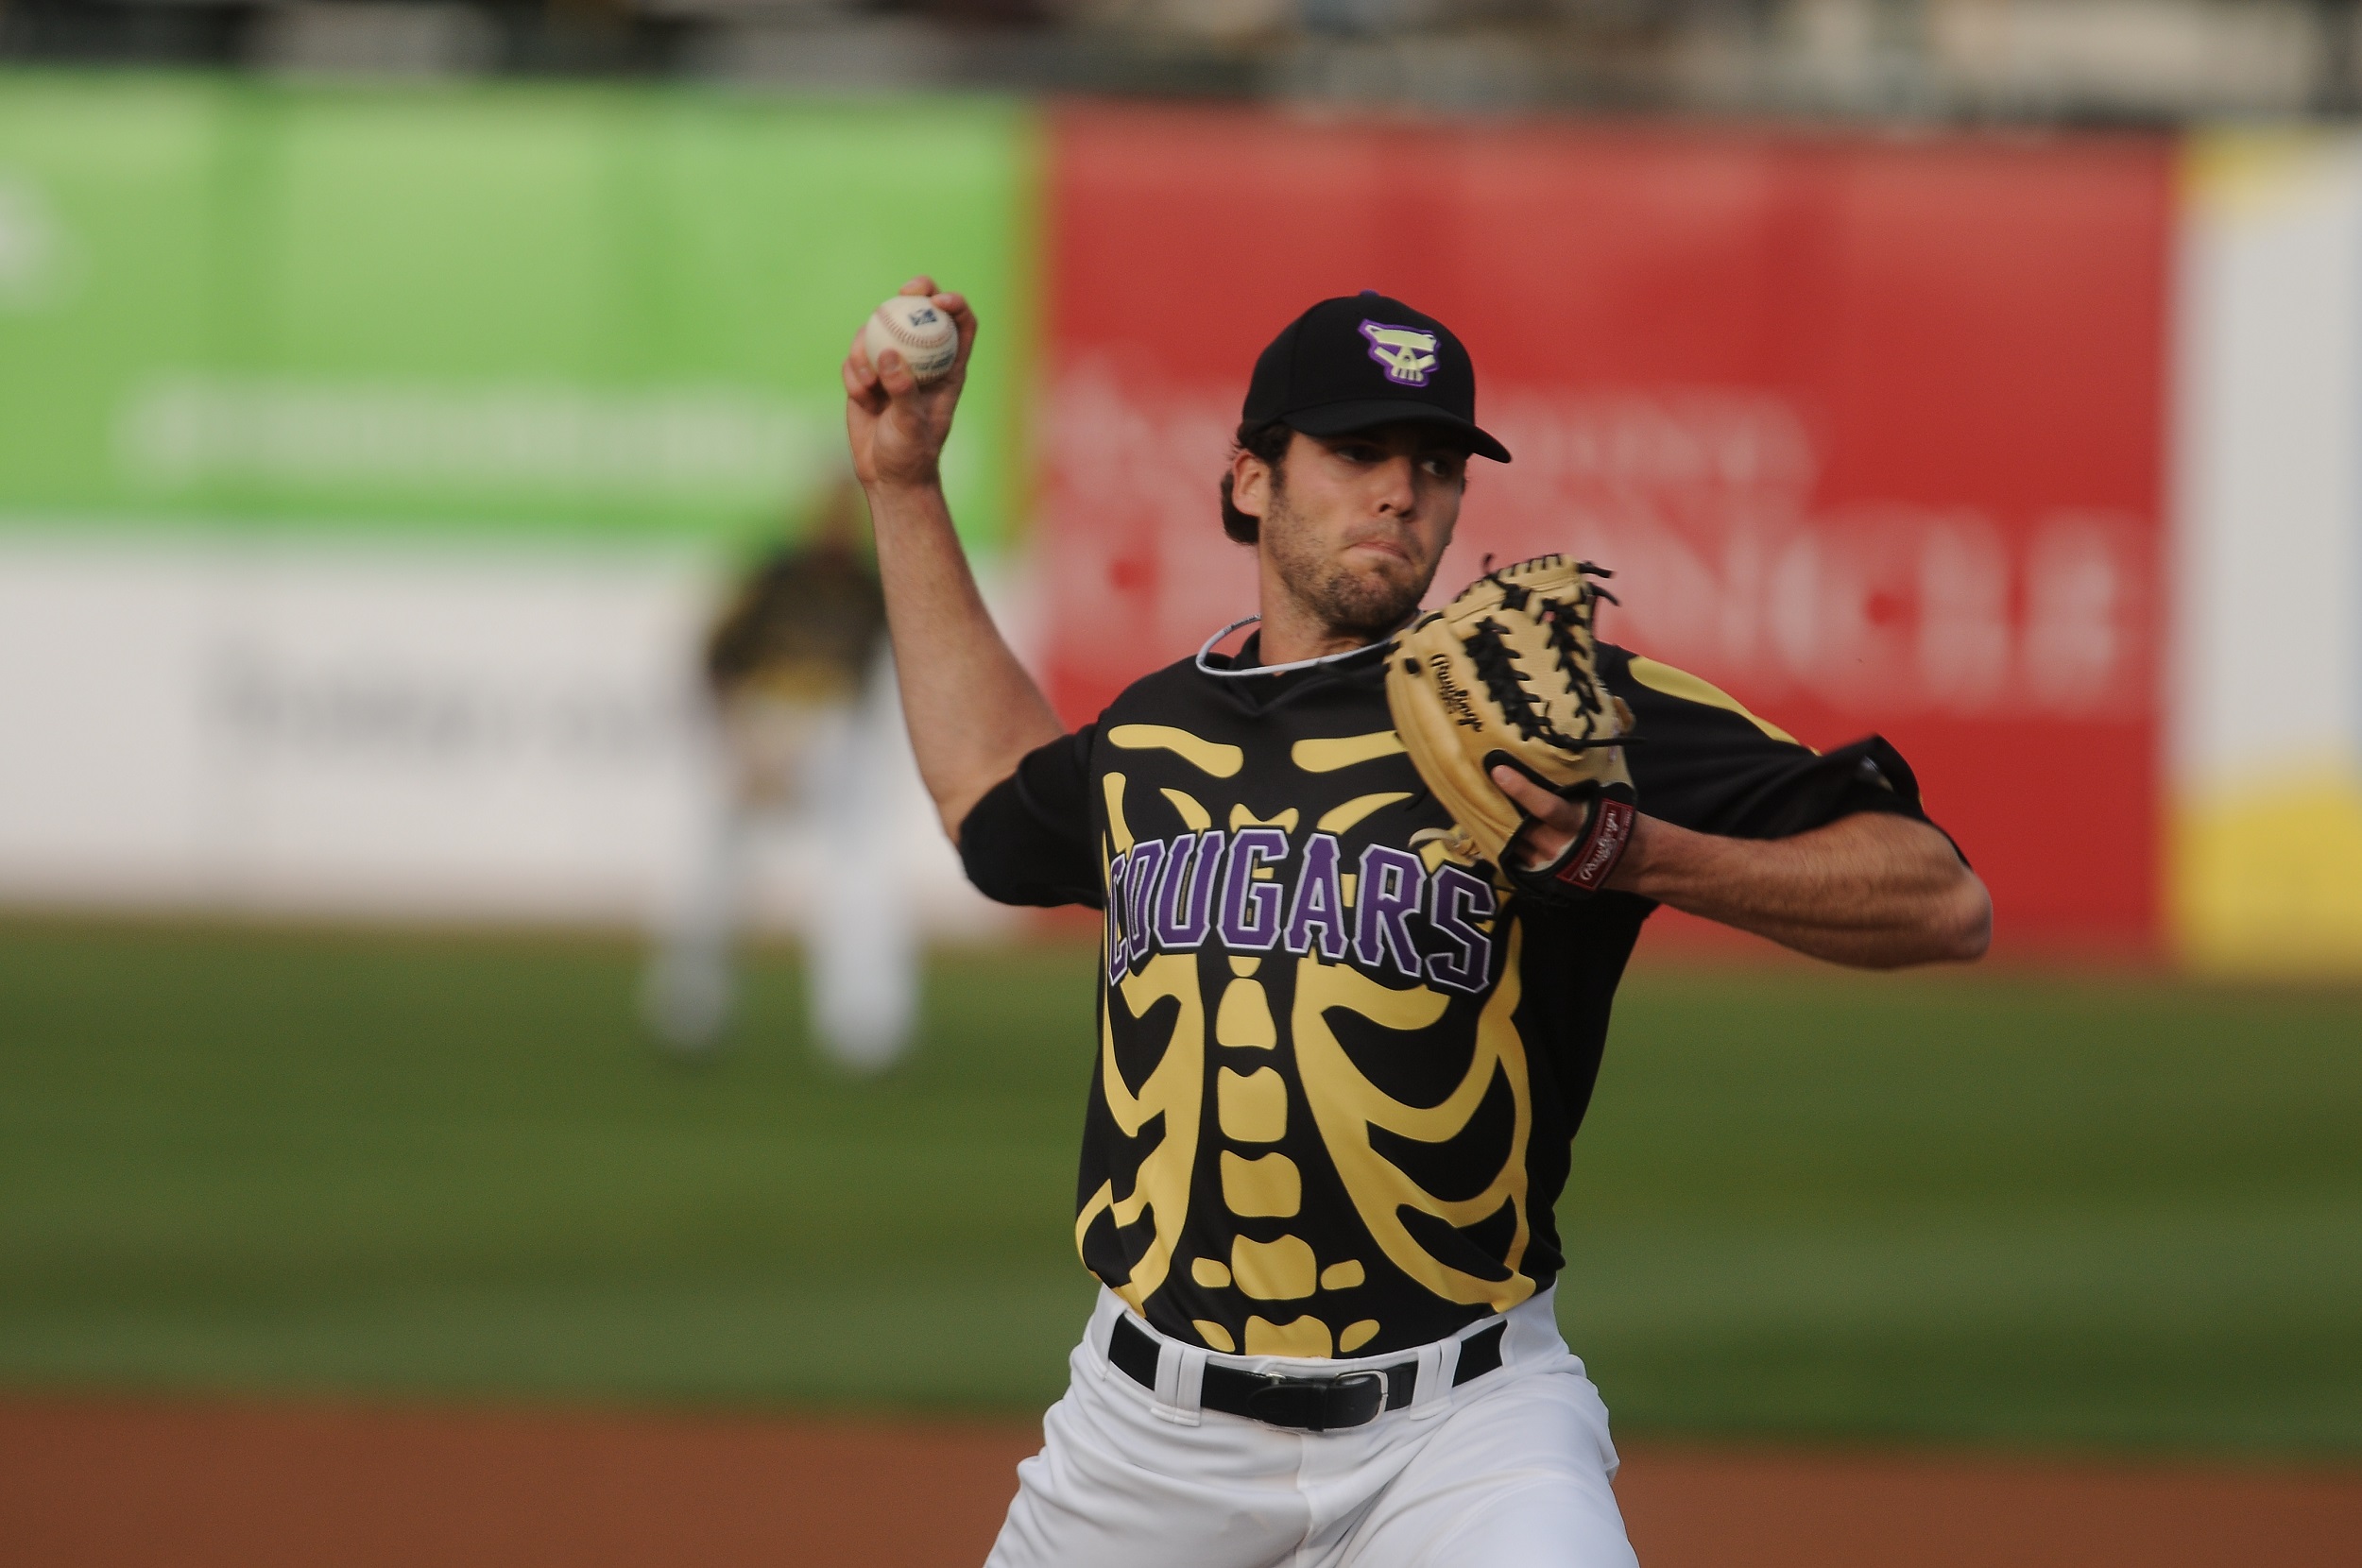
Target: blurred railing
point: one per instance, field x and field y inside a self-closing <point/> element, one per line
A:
<point x="2081" y="60"/>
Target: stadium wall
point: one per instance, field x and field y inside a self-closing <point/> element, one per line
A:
<point x="371" y="460"/>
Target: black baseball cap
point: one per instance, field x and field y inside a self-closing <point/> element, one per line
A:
<point x="1361" y="359"/>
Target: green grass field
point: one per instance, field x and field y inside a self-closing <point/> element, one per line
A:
<point x="1993" y="1207"/>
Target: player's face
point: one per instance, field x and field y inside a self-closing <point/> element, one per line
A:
<point x="1353" y="525"/>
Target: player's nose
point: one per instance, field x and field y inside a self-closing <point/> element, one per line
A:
<point x="1395" y="486"/>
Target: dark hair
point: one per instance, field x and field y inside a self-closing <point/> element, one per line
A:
<point x="1268" y="440"/>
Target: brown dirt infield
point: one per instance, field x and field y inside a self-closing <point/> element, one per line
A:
<point x="129" y="1485"/>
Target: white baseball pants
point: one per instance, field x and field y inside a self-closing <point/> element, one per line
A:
<point x="1510" y="1469"/>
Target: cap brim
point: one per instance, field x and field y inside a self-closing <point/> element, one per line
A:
<point x="1345" y="418"/>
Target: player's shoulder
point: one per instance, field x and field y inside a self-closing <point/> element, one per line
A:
<point x="1180" y="682"/>
<point x="1174" y="694"/>
<point x="1669" y="695"/>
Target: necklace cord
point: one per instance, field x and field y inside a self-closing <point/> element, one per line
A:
<point x="1380" y="646"/>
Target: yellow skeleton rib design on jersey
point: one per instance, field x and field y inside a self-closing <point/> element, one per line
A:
<point x="1344" y="817"/>
<point x="1177" y="1091"/>
<point x="1343" y="751"/>
<point x="1194" y="815"/>
<point x="1345" y="1105"/>
<point x="1211" y="757"/>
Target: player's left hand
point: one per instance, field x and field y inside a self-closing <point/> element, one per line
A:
<point x="1559" y="821"/>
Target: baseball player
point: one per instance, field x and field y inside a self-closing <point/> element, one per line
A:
<point x="805" y="737"/>
<point x="1341" y="1047"/>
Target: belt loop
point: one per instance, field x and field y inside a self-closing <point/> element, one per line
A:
<point x="1103" y="1330"/>
<point x="1189" y="1393"/>
<point x="1437" y="1362"/>
<point x="1180" y="1382"/>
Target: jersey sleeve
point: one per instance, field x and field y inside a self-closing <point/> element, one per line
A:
<point x="1701" y="761"/>
<point x="1029" y="840"/>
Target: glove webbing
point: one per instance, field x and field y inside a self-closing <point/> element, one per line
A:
<point x="1497" y="665"/>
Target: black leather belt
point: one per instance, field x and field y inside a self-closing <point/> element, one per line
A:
<point x="1304" y="1404"/>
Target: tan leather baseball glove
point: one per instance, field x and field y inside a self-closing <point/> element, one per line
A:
<point x="1508" y="674"/>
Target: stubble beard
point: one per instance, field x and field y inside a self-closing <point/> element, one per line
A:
<point x="1364" y="605"/>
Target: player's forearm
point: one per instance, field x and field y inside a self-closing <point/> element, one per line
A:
<point x="972" y="710"/>
<point x="1873" y="890"/>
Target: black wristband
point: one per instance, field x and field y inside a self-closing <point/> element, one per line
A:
<point x="1584" y="866"/>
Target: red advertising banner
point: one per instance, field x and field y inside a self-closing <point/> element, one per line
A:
<point x="1869" y="429"/>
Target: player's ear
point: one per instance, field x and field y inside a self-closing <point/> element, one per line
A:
<point x="1250" y="484"/>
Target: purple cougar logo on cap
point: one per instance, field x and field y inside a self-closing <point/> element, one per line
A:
<point x="1406" y="352"/>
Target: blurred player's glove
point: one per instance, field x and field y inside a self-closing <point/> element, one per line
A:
<point x="1507" y="674"/>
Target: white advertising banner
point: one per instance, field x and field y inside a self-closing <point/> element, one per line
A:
<point x="402" y="730"/>
<point x="2266" y="679"/>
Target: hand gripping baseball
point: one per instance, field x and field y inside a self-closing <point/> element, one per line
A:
<point x="896" y="424"/>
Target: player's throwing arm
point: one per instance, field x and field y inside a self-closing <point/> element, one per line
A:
<point x="972" y="709"/>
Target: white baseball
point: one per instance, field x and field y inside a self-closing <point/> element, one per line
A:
<point x="915" y="327"/>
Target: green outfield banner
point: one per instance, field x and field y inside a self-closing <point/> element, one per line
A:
<point x="545" y="309"/>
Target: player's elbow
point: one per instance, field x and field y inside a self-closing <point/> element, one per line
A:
<point x="955" y="801"/>
<point x="1963" y="923"/>
<point x="1938" y="911"/>
<point x="1951" y="924"/>
<point x="1955" y="925"/>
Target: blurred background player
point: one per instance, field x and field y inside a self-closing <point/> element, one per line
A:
<point x="803" y="729"/>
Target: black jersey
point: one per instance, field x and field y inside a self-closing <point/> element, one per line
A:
<point x="1339" y="1068"/>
